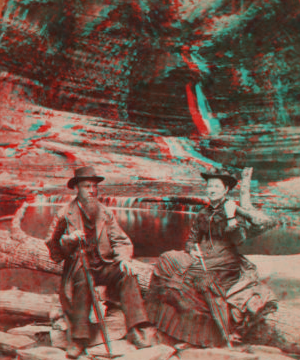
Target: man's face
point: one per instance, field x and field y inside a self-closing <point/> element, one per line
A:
<point x="87" y="190"/>
<point x="216" y="189"/>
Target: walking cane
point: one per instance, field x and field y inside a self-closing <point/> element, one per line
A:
<point x="99" y="313"/>
<point x="199" y="253"/>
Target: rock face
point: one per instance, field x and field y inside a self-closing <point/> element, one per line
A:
<point x="89" y="59"/>
<point x="262" y="147"/>
<point x="144" y="60"/>
<point x="94" y="59"/>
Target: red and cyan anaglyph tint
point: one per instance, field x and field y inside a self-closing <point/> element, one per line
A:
<point x="150" y="93"/>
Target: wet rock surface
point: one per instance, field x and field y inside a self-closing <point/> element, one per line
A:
<point x="47" y="145"/>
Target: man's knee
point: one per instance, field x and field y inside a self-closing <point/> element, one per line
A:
<point x="123" y="279"/>
<point x="79" y="278"/>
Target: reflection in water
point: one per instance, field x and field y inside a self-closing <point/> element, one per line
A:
<point x="37" y="220"/>
<point x="155" y="231"/>
<point x="151" y="231"/>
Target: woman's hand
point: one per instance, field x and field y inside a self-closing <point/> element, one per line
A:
<point x="230" y="210"/>
<point x="195" y="254"/>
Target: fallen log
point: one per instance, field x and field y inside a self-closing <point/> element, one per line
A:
<point x="258" y="218"/>
<point x="30" y="253"/>
<point x="27" y="305"/>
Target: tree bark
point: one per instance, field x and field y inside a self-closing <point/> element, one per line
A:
<point x="27" y="305"/>
<point x="30" y="253"/>
<point x="256" y="217"/>
<point x="245" y="201"/>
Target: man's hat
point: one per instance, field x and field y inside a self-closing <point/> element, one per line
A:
<point x="84" y="173"/>
<point x="215" y="173"/>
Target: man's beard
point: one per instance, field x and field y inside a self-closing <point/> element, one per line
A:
<point x="90" y="207"/>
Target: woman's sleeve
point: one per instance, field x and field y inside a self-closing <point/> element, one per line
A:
<point x="195" y="234"/>
<point x="237" y="233"/>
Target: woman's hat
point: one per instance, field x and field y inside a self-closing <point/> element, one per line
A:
<point x="82" y="174"/>
<point x="215" y="173"/>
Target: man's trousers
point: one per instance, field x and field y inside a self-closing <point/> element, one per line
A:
<point x="124" y="288"/>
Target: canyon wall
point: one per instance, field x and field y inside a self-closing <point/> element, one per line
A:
<point x="145" y="61"/>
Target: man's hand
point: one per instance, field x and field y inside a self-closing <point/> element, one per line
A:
<point x="76" y="235"/>
<point x="71" y="241"/>
<point x="127" y="267"/>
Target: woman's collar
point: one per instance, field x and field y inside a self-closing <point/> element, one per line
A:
<point x="217" y="206"/>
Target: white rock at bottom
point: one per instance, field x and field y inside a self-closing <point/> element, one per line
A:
<point x="45" y="353"/>
<point x="9" y="343"/>
<point x="216" y="354"/>
<point x="157" y="352"/>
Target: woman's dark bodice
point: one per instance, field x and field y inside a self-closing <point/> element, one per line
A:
<point x="218" y="242"/>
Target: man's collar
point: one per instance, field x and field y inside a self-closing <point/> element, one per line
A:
<point x="83" y="211"/>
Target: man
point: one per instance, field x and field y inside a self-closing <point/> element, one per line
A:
<point x="109" y="252"/>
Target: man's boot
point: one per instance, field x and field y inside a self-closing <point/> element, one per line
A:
<point x="75" y="349"/>
<point x="143" y="336"/>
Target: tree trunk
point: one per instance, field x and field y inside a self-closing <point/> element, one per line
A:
<point x="245" y="201"/>
<point x="27" y="305"/>
<point x="256" y="217"/>
<point x="30" y="253"/>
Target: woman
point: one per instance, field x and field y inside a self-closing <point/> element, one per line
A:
<point x="209" y="294"/>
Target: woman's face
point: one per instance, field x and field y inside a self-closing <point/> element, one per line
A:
<point x="216" y="190"/>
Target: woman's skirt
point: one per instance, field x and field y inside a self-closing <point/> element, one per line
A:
<point x="204" y="307"/>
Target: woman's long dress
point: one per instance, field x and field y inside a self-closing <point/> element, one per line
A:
<point x="203" y="306"/>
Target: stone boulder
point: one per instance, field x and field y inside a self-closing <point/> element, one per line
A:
<point x="39" y="333"/>
<point x="10" y="344"/>
<point x="44" y="353"/>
